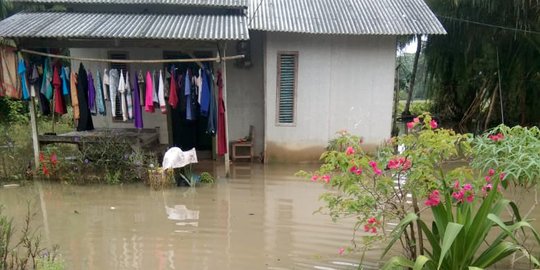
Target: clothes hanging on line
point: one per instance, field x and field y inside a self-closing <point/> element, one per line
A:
<point x="161" y="94"/>
<point x="91" y="94"/>
<point x="173" y="95"/>
<point x="122" y="91"/>
<point x="105" y="83"/>
<point x="129" y="98"/>
<point x="140" y="82"/>
<point x="114" y="79"/>
<point x="8" y="75"/>
<point x="24" y="83"/>
<point x="74" y="96"/>
<point x="149" y="102"/>
<point x="59" y="106"/>
<point x="85" y="121"/>
<point x="46" y="87"/>
<point x="100" y="99"/>
<point x="137" y="109"/>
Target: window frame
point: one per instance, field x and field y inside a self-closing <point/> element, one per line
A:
<point x="278" y="87"/>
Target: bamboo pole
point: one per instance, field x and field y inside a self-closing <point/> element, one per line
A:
<point x="126" y="61"/>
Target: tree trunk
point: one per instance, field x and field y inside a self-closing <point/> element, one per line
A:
<point x="406" y="110"/>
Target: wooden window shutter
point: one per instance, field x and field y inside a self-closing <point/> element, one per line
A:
<point x="287" y="82"/>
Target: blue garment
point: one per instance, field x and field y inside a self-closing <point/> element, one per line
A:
<point x="24" y="85"/>
<point x="212" y="112"/>
<point x="187" y="93"/>
<point x="205" y="93"/>
<point x="46" y="86"/>
<point x="100" y="100"/>
<point x="65" y="84"/>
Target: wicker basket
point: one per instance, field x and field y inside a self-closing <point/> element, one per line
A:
<point x="159" y="178"/>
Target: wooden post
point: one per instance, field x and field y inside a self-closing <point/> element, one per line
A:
<point x="33" y="123"/>
<point x="224" y="70"/>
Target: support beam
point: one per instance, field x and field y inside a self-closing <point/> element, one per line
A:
<point x="224" y="71"/>
<point x="33" y="123"/>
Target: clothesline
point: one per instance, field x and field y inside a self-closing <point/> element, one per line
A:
<point x="153" y="61"/>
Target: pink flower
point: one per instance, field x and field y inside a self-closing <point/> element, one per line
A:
<point x="406" y="164"/>
<point x="349" y="151"/>
<point x="433" y="199"/>
<point x="373" y="164"/>
<point x="488" y="179"/>
<point x="467" y="187"/>
<point x="373" y="230"/>
<point x="54" y="159"/>
<point x="502" y="176"/>
<point x="341" y="251"/>
<point x="372" y="220"/>
<point x="433" y="124"/>
<point x="410" y="125"/>
<point x="458" y="195"/>
<point x="491" y="172"/>
<point x="470" y="198"/>
<point x="45" y="171"/>
<point x="326" y="178"/>
<point x="497" y="137"/>
<point x="366" y="228"/>
<point x="456" y="184"/>
<point x="314" y="178"/>
<point x="41" y="157"/>
<point x="356" y="170"/>
<point x="393" y="164"/>
<point x="487" y="188"/>
<point x="416" y="120"/>
<point x="377" y="171"/>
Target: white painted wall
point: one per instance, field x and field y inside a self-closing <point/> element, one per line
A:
<point x="150" y="120"/>
<point x="344" y="82"/>
<point x="245" y="94"/>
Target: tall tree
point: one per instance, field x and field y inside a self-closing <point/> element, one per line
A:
<point x="492" y="47"/>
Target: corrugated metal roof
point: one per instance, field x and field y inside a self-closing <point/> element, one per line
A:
<point x="125" y="26"/>
<point x="210" y="3"/>
<point x="353" y="17"/>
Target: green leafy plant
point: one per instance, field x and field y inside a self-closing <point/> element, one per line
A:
<point x="375" y="189"/>
<point x="458" y="237"/>
<point x="207" y="178"/>
<point x="409" y="175"/>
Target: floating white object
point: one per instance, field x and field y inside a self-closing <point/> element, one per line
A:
<point x="11" y="185"/>
<point x="112" y="208"/>
<point x="176" y="158"/>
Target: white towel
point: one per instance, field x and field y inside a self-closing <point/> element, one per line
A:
<point x="161" y="94"/>
<point x="122" y="90"/>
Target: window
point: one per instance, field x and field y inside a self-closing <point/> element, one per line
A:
<point x="124" y="68"/>
<point x="287" y="70"/>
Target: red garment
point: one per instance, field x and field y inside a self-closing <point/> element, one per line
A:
<point x="59" y="107"/>
<point x="222" y="136"/>
<point x="173" y="95"/>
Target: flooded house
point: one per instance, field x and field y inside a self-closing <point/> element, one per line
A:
<point x="289" y="72"/>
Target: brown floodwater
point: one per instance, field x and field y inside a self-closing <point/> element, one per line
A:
<point x="260" y="218"/>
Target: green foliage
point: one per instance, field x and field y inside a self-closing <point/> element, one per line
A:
<point x="464" y="66"/>
<point x="373" y="194"/>
<point x="13" y="111"/>
<point x="47" y="264"/>
<point x="460" y="228"/>
<point x="413" y="168"/>
<point x="207" y="178"/>
<point x="517" y="153"/>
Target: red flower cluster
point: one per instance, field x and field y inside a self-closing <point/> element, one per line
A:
<point x="371" y="225"/>
<point x="356" y="170"/>
<point x="399" y="162"/>
<point x="497" y="137"/>
<point x="376" y="170"/>
<point x="326" y="178"/>
<point x="463" y="193"/>
<point x="433" y="199"/>
<point x="349" y="151"/>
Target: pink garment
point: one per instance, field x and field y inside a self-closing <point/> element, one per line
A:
<point x="149" y="102"/>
